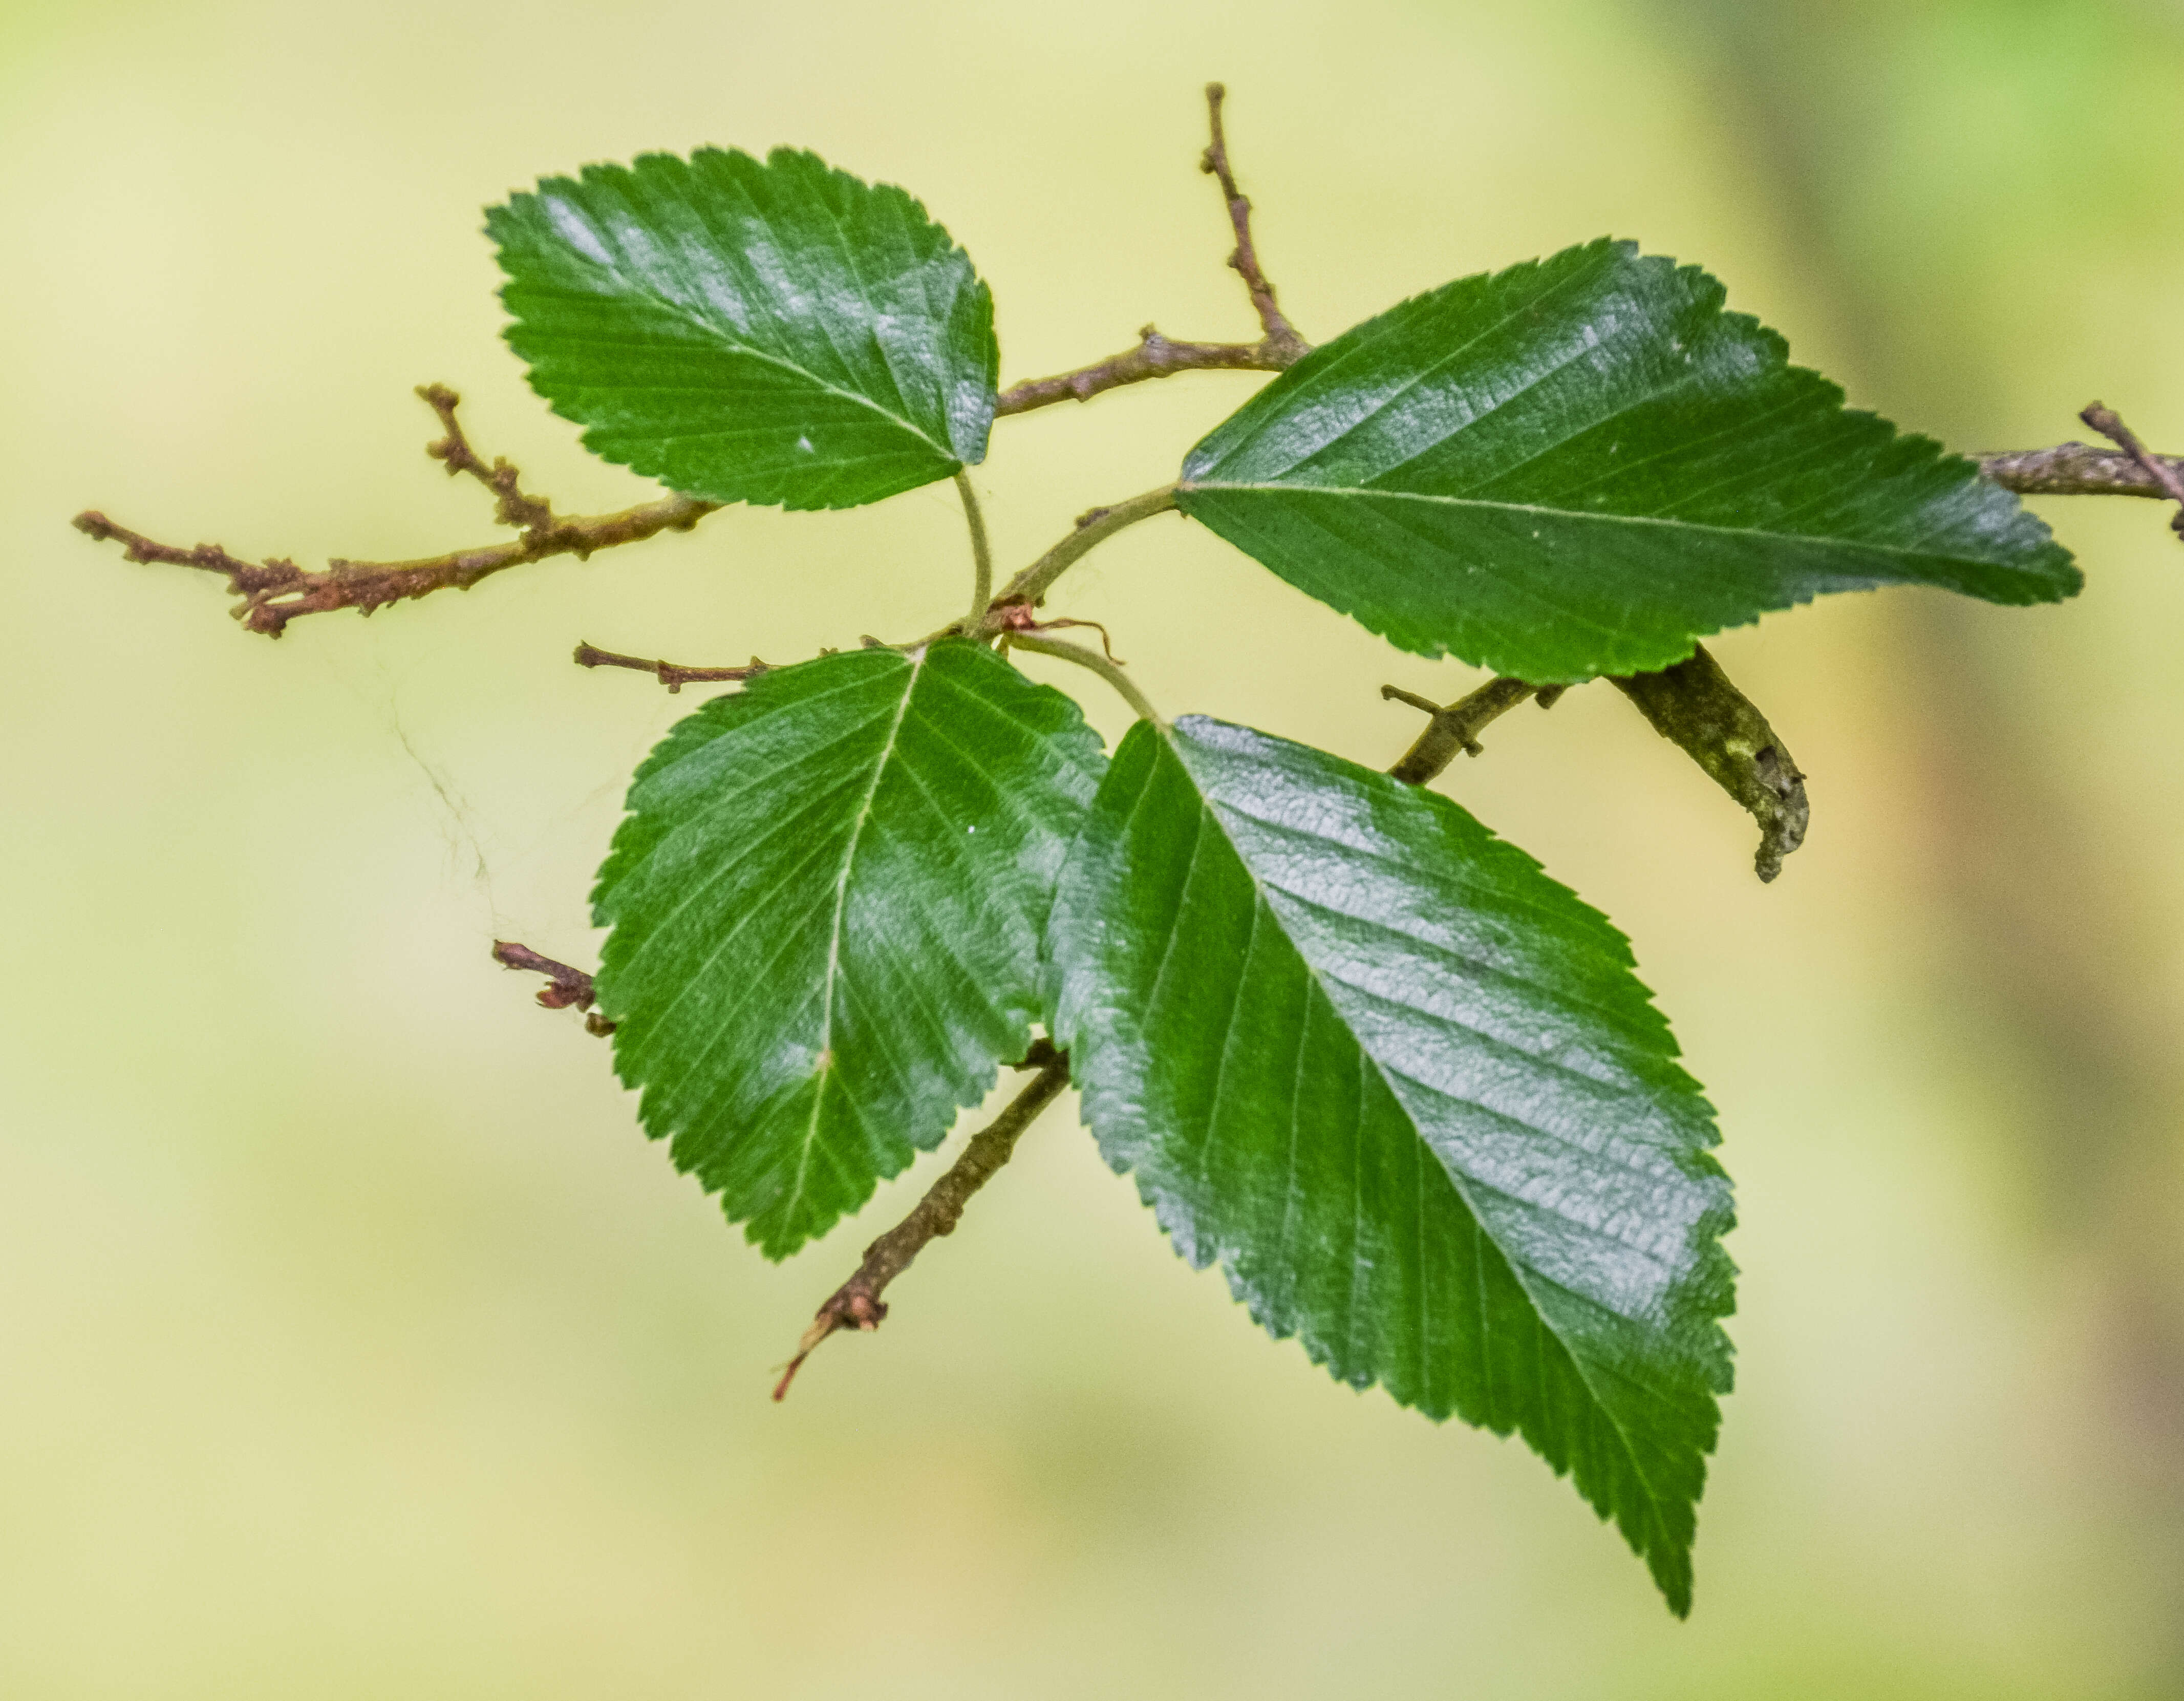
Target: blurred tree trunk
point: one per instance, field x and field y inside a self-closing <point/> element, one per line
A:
<point x="2040" y="900"/>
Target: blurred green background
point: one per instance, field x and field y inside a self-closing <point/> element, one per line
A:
<point x="354" y="1343"/>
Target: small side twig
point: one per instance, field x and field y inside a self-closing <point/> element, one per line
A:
<point x="2166" y="473"/>
<point x="2078" y="469"/>
<point x="1214" y="162"/>
<point x="856" y="1304"/>
<point x="672" y="674"/>
<point x="1279" y="349"/>
<point x="1154" y="356"/>
<point x="276" y="591"/>
<point x="1455" y="726"/>
<point x="565" y="987"/>
<point x="511" y="506"/>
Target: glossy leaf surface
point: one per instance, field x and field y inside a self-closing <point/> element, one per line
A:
<point x="826" y="901"/>
<point x="776" y="332"/>
<point x="1408" y="1092"/>
<point x="1581" y="465"/>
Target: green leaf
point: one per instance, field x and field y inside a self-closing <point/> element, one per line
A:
<point x="827" y="900"/>
<point x="780" y="332"/>
<point x="1581" y="465"/>
<point x="1408" y="1092"/>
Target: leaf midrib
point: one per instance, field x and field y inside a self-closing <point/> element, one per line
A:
<point x="916" y="659"/>
<point x="1606" y="248"/>
<point x="1659" y="521"/>
<point x="716" y="333"/>
<point x="1522" y="1275"/>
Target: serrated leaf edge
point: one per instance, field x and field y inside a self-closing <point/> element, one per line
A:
<point x="606" y="171"/>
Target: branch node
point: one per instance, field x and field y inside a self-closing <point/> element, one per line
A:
<point x="1454" y="727"/>
<point x="1279" y="346"/>
<point x="1011" y="618"/>
<point x="2164" y="473"/>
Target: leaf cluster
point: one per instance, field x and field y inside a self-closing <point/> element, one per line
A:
<point x="1404" y="1088"/>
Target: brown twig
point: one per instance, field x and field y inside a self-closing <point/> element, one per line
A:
<point x="1455" y="726"/>
<point x="1157" y="356"/>
<point x="2168" y="474"/>
<point x="1214" y="162"/>
<point x="856" y="1303"/>
<point x="672" y="674"/>
<point x="511" y="506"/>
<point x="565" y="987"/>
<point x="276" y="591"/>
<point x="2078" y="469"/>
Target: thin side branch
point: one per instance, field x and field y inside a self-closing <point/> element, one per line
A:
<point x="2078" y="469"/>
<point x="672" y="674"/>
<point x="276" y="591"/>
<point x="856" y="1304"/>
<point x="565" y="987"/>
<point x="1214" y="162"/>
<point x="512" y="507"/>
<point x="2168" y="474"/>
<point x="1455" y="728"/>
<point x="1157" y="356"/>
<point x="1154" y="356"/>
